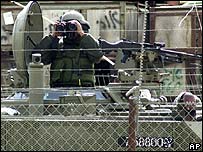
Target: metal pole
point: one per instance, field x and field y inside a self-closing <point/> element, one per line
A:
<point x="132" y="125"/>
<point x="122" y="19"/>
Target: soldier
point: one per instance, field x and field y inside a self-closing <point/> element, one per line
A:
<point x="73" y="56"/>
<point x="186" y="105"/>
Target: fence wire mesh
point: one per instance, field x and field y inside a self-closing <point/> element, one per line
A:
<point x="110" y="122"/>
<point x="102" y="118"/>
<point x="103" y="127"/>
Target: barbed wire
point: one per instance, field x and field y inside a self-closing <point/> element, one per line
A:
<point x="84" y="90"/>
<point x="127" y="30"/>
<point x="128" y="11"/>
<point x="113" y="69"/>
<point x="102" y="49"/>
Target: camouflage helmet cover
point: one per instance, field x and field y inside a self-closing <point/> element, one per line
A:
<point x="74" y="15"/>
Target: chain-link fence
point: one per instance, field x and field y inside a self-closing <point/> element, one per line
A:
<point x="104" y="118"/>
<point x="162" y="114"/>
<point x="104" y="127"/>
<point x="164" y="117"/>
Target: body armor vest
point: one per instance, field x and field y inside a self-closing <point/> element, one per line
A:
<point x="74" y="67"/>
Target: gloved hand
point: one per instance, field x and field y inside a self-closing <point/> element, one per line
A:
<point x="79" y="27"/>
<point x="58" y="28"/>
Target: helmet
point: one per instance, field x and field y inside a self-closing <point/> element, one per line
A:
<point x="189" y="100"/>
<point x="74" y="15"/>
<point x="186" y="106"/>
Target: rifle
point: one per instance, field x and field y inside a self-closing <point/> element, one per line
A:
<point x="128" y="47"/>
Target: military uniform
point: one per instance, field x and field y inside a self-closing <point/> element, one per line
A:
<point x="72" y="63"/>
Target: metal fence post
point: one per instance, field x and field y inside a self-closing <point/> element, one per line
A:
<point x="132" y="125"/>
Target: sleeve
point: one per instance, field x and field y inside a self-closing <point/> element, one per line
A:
<point x="178" y="98"/>
<point x="47" y="47"/>
<point x="93" y="50"/>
